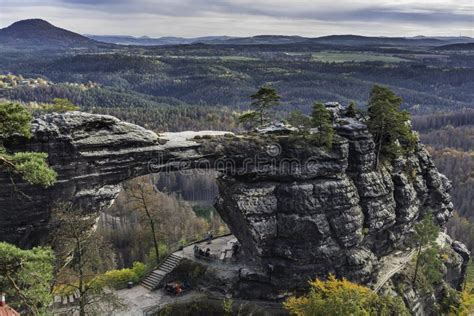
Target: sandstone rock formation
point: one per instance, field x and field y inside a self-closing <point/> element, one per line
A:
<point x="334" y="212"/>
<point x="92" y="155"/>
<point x="299" y="211"/>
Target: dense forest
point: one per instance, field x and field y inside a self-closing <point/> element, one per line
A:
<point x="450" y="141"/>
<point x="225" y="75"/>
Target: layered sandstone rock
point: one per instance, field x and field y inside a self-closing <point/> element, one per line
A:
<point x="300" y="211"/>
<point x="335" y="212"/>
<point x="92" y="155"/>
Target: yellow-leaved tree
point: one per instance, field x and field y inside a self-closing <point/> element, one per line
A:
<point x="341" y="297"/>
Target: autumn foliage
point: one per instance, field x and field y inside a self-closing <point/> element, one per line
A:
<point x="342" y="297"/>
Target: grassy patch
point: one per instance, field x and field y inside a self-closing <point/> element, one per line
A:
<point x="330" y="57"/>
<point x="239" y="58"/>
<point x="216" y="57"/>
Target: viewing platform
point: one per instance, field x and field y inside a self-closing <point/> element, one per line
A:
<point x="140" y="299"/>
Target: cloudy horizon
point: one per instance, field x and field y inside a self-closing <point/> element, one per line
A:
<point x="193" y="18"/>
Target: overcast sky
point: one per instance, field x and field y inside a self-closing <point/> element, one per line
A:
<point x="191" y="18"/>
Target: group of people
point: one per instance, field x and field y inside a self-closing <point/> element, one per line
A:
<point x="177" y="288"/>
<point x="198" y="251"/>
<point x="174" y="288"/>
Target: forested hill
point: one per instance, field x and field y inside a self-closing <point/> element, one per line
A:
<point x="37" y="33"/>
<point x="213" y="76"/>
<point x="338" y="40"/>
<point x="339" y="68"/>
<point x="459" y="46"/>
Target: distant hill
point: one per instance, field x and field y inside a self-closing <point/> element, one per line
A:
<point x="356" y="40"/>
<point x="265" y="40"/>
<point x="347" y="40"/>
<point x="37" y="33"/>
<point x="449" y="39"/>
<point x="460" y="46"/>
<point x="149" y="41"/>
<point x="332" y="40"/>
<point x="42" y="34"/>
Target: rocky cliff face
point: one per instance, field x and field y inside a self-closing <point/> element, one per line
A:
<point x="332" y="211"/>
<point x="299" y="211"/>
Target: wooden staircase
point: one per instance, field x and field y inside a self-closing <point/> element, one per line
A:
<point x="154" y="278"/>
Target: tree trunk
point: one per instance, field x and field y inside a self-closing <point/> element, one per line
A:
<point x="82" y="288"/>
<point x="155" y="241"/>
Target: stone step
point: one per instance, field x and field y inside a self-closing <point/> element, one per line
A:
<point x="173" y="262"/>
<point x="148" y="287"/>
<point x="154" y="278"/>
<point x="174" y="258"/>
<point x="147" y="284"/>
<point x="148" y="281"/>
<point x="158" y="273"/>
<point x="168" y="265"/>
<point x="167" y="269"/>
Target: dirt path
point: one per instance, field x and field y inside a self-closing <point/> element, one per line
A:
<point x="395" y="262"/>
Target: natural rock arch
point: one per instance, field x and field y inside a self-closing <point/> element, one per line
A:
<point x="298" y="210"/>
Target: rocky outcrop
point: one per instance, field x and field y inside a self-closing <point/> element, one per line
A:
<point x="300" y="211"/>
<point x="92" y="155"/>
<point x="334" y="212"/>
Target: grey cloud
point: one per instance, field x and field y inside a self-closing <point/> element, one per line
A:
<point x="242" y="17"/>
<point x="290" y="11"/>
<point x="431" y="16"/>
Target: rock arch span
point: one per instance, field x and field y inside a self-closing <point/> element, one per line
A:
<point x="330" y="212"/>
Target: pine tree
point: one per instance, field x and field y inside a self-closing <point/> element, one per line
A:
<point x="26" y="277"/>
<point x="388" y="124"/>
<point x="321" y="119"/>
<point x="32" y="167"/>
<point x="262" y="101"/>
<point x="426" y="232"/>
<point x="351" y="110"/>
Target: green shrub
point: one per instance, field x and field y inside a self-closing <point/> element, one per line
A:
<point x="118" y="279"/>
<point x="163" y="251"/>
<point x="139" y="268"/>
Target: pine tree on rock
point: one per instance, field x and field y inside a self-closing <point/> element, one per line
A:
<point x="262" y="101"/>
<point x="322" y="120"/>
<point x="388" y="124"/>
<point x="351" y="110"/>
